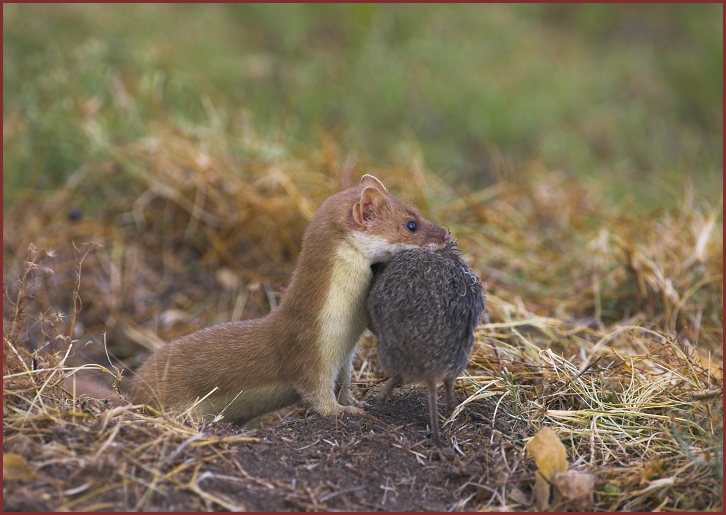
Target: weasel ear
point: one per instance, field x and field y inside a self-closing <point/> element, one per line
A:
<point x="369" y="207"/>
<point x="370" y="181"/>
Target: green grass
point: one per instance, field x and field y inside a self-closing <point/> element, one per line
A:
<point x="628" y="95"/>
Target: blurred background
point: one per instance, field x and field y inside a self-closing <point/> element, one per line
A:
<point x="627" y="97"/>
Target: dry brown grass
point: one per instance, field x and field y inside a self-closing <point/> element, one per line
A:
<point x="604" y="326"/>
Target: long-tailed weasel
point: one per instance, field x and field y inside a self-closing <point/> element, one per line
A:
<point x="303" y="349"/>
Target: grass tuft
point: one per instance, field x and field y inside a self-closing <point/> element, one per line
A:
<point x="603" y="326"/>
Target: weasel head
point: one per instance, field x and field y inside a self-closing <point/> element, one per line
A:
<point x="383" y="226"/>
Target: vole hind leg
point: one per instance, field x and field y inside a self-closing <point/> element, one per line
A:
<point x="382" y="396"/>
<point x="434" y="413"/>
<point x="451" y="400"/>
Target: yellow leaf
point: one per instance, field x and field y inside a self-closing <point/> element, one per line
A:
<point x="541" y="492"/>
<point x="548" y="452"/>
<point x="551" y="458"/>
<point x="15" y="467"/>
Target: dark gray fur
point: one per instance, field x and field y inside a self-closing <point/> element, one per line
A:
<point x="423" y="307"/>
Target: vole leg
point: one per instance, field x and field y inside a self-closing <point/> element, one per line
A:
<point x="450" y="395"/>
<point x="382" y="396"/>
<point x="434" y="413"/>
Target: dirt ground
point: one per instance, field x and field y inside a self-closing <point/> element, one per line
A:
<point x="307" y="462"/>
<point x="353" y="463"/>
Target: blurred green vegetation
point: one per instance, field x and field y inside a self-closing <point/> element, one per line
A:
<point x="629" y="96"/>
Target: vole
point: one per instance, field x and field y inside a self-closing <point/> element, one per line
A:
<point x="304" y="348"/>
<point x="423" y="307"/>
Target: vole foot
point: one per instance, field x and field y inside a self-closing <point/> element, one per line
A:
<point x="380" y="401"/>
<point x="444" y="453"/>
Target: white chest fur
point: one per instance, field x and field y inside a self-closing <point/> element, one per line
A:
<point x="342" y="318"/>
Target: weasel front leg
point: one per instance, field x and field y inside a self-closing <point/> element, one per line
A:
<point x="321" y="398"/>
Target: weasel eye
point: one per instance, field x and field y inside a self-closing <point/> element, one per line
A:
<point x="411" y="226"/>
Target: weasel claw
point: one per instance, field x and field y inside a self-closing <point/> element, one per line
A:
<point x="353" y="410"/>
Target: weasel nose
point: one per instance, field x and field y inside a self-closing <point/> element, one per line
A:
<point x="447" y="237"/>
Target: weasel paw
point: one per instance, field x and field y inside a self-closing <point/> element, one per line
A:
<point x="353" y="410"/>
<point x="337" y="409"/>
<point x="346" y="398"/>
<point x="356" y="403"/>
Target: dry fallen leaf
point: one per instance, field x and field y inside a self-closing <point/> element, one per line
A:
<point x="517" y="496"/>
<point x="576" y="488"/>
<point x="551" y="458"/>
<point x="15" y="467"/>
